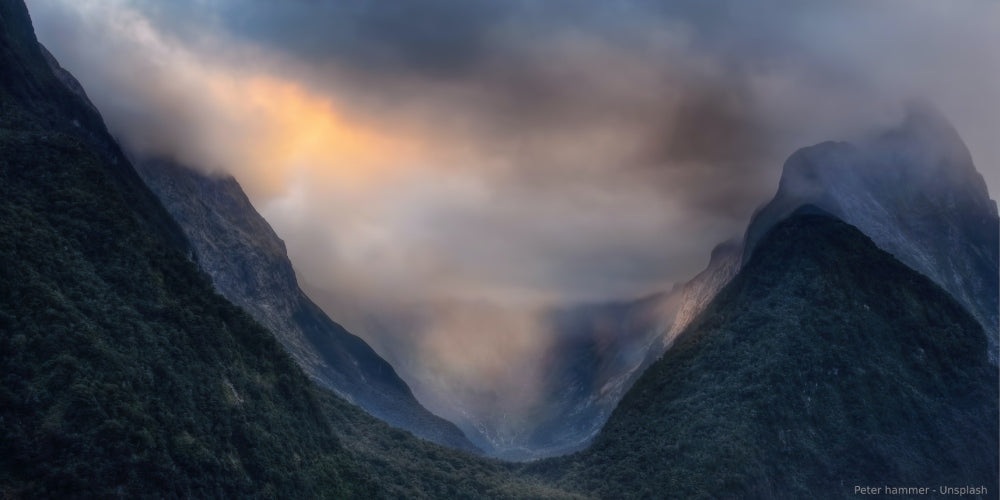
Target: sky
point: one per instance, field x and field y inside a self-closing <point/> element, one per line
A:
<point x="443" y="171"/>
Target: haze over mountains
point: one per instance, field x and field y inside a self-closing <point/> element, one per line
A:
<point x="447" y="173"/>
<point x="801" y="363"/>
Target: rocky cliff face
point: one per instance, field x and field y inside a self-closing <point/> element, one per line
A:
<point x="248" y="265"/>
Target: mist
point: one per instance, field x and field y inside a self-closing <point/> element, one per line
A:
<point x="445" y="171"/>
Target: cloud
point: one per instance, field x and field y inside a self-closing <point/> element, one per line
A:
<point x="447" y="160"/>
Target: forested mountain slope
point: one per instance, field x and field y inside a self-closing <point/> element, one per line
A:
<point x="824" y="364"/>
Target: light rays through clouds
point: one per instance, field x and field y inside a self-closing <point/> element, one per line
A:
<point x="442" y="171"/>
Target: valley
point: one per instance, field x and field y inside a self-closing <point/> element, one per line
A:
<point x="155" y="340"/>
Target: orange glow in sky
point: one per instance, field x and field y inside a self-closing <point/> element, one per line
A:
<point x="279" y="129"/>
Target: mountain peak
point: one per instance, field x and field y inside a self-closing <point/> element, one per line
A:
<point x="916" y="192"/>
<point x="923" y="152"/>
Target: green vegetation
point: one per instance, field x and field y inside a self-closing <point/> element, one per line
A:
<point x="825" y="364"/>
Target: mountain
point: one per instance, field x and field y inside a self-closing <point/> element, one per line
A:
<point x="249" y="266"/>
<point x="916" y="193"/>
<point x="913" y="189"/>
<point x="125" y="374"/>
<point x="824" y="364"/>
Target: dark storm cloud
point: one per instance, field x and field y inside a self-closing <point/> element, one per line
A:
<point x="434" y="37"/>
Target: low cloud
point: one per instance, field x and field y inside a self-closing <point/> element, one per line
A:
<point x="465" y="164"/>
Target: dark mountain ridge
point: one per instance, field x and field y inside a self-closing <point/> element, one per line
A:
<point x="36" y="99"/>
